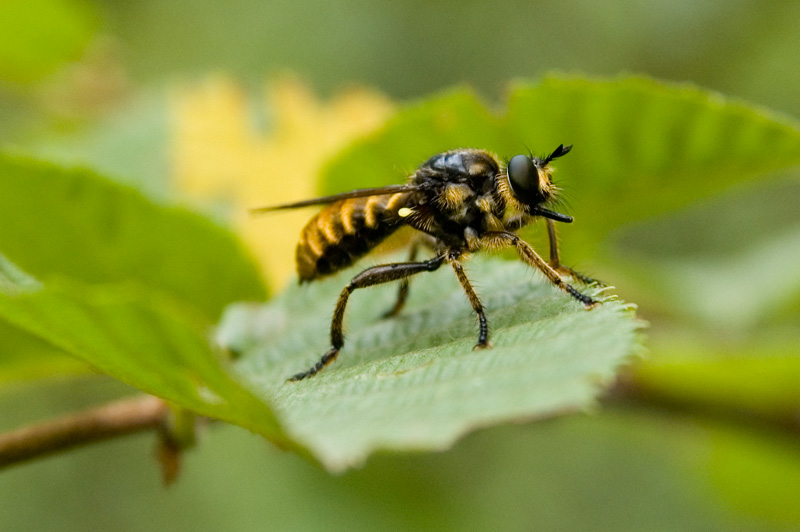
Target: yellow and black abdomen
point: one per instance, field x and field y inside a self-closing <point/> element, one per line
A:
<point x="345" y="231"/>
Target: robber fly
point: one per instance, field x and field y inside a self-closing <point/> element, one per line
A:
<point x="459" y="202"/>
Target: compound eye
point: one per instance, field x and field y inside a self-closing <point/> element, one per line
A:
<point x="524" y="177"/>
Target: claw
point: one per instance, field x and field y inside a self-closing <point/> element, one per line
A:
<point x="565" y="271"/>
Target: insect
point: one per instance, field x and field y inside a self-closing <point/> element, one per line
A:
<point x="459" y="202"/>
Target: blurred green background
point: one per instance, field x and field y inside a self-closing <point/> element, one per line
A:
<point x="71" y="72"/>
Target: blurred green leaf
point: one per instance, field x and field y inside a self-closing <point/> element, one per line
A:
<point x="727" y="262"/>
<point x="143" y="340"/>
<point x="59" y="223"/>
<point x="450" y="120"/>
<point x="130" y="144"/>
<point x="75" y="224"/>
<point x="642" y="147"/>
<point x="24" y="356"/>
<point x="757" y="380"/>
<point x="736" y="293"/>
<point x="756" y="474"/>
<point x="414" y="382"/>
<point x="36" y="36"/>
<point x="13" y="280"/>
<point x="751" y="464"/>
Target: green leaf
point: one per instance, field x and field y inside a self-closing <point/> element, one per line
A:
<point x="770" y="465"/>
<point x="113" y="144"/>
<point x="76" y="224"/>
<point x="144" y="340"/>
<point x="759" y="380"/>
<point x="450" y="120"/>
<point x="13" y="280"/>
<point x="414" y="382"/>
<point x="24" y="356"/>
<point x="644" y="147"/>
<point x="641" y="147"/>
<point x="58" y="223"/>
<point x="713" y="263"/>
<point x="37" y="36"/>
<point x="736" y="293"/>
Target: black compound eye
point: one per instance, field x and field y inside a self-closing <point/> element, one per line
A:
<point x="524" y="177"/>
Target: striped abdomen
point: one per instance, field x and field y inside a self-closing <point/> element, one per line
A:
<point x="345" y="231"/>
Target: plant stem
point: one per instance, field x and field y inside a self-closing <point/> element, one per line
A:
<point x="109" y="421"/>
<point x="628" y="391"/>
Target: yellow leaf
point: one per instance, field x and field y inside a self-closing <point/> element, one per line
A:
<point x="218" y="154"/>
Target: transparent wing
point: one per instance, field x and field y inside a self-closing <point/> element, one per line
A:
<point x="325" y="200"/>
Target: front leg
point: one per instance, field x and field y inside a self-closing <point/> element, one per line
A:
<point x="371" y="276"/>
<point x="502" y="239"/>
<point x="521" y="220"/>
<point x="555" y="260"/>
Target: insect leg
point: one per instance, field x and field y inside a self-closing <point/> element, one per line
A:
<point x="531" y="258"/>
<point x="555" y="261"/>
<point x="483" y="327"/>
<point x="402" y="293"/>
<point x="371" y="276"/>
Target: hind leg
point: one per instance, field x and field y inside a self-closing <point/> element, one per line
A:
<point x="371" y="276"/>
<point x="402" y="292"/>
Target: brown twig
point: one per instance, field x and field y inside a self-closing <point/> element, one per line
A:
<point x="109" y="421"/>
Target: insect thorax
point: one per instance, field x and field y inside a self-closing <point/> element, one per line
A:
<point x="460" y="192"/>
